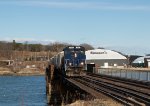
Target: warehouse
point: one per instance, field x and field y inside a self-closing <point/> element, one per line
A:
<point x="147" y="61"/>
<point x="142" y="62"/>
<point x="139" y="62"/>
<point x="106" y="58"/>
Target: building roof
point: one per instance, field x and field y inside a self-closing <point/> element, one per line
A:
<point x="147" y="57"/>
<point x="132" y="58"/>
<point x="103" y="54"/>
<point x="139" y="60"/>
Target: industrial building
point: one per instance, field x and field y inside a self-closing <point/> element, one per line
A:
<point x="142" y="62"/>
<point x="147" y="61"/>
<point x="106" y="58"/>
<point x="139" y="62"/>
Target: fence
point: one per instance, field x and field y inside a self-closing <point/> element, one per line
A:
<point x="124" y="73"/>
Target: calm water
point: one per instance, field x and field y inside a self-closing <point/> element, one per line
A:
<point x="22" y="91"/>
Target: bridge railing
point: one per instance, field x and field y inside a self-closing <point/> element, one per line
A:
<point x="124" y="73"/>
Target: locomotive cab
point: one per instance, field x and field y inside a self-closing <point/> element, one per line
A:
<point x="74" y="60"/>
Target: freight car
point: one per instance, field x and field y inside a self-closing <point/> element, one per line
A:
<point x="71" y="61"/>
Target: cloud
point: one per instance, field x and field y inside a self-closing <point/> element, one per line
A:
<point x="79" y="5"/>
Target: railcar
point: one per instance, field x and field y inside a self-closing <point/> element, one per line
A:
<point x="71" y="61"/>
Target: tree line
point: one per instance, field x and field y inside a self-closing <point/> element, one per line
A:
<point x="8" y="49"/>
<point x="14" y="50"/>
<point x="54" y="47"/>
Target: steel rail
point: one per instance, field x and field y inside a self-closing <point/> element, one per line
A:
<point x="130" y="93"/>
<point x="124" y="85"/>
<point x="132" y="82"/>
<point x="119" y="97"/>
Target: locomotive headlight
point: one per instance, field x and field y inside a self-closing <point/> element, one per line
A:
<point x="70" y="64"/>
<point x="75" y="55"/>
<point x="82" y="63"/>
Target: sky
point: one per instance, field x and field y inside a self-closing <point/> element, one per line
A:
<point x="122" y="25"/>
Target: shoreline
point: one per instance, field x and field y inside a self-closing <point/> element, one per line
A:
<point x="22" y="72"/>
<point x="38" y="72"/>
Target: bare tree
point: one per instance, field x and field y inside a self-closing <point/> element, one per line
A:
<point x="57" y="46"/>
<point x="100" y="48"/>
<point x="6" y="50"/>
<point x="87" y="46"/>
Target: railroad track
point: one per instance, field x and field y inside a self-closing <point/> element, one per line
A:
<point x="128" y="94"/>
<point x="142" y="84"/>
<point x="136" y="86"/>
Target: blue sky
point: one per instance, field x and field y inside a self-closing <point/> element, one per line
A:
<point x="123" y="25"/>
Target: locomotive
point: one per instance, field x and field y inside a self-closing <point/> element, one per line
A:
<point x="71" y="61"/>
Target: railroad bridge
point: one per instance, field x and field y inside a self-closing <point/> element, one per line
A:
<point x="121" y="85"/>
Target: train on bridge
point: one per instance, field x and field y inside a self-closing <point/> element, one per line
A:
<point x="71" y="61"/>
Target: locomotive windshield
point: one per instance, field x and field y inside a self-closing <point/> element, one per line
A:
<point x="74" y="52"/>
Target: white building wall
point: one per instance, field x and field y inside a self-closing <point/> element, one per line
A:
<point x="105" y="58"/>
<point x="103" y="54"/>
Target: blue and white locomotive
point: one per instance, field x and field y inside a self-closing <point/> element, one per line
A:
<point x="71" y="61"/>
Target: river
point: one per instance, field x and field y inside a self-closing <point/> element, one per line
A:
<point x="22" y="91"/>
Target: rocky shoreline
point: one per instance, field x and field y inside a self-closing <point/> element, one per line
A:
<point x="4" y="71"/>
<point x="22" y="72"/>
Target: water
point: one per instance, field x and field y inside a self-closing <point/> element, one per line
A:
<point x="22" y="91"/>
